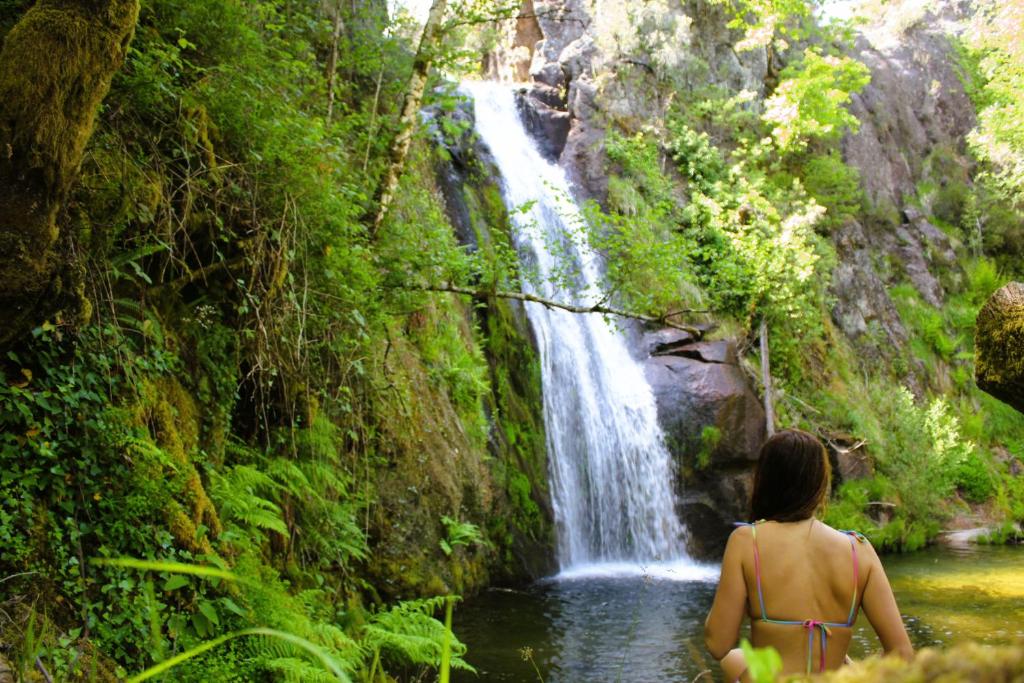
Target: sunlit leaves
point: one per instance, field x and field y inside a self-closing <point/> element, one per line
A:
<point x="810" y="101"/>
<point x="998" y="33"/>
<point x="765" y="22"/>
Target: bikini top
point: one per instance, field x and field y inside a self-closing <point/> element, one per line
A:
<point x="812" y="625"/>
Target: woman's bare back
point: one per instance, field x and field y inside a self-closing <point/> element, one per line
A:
<point x="807" y="573"/>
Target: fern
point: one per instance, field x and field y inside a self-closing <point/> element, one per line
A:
<point x="237" y="493"/>
<point x="460" y="533"/>
<point x="409" y="633"/>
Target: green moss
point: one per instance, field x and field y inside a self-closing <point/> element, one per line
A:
<point x="968" y="663"/>
<point x="1000" y="346"/>
<point x="56" y="67"/>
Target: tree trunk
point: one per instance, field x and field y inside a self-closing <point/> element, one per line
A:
<point x="332" y="63"/>
<point x="766" y="380"/>
<point x="410" y="112"/>
<point x="999" y="346"/>
<point x="55" y="68"/>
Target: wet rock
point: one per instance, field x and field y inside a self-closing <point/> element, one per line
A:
<point x="999" y="345"/>
<point x="548" y="73"/>
<point x="663" y="342"/>
<point x="548" y="126"/>
<point x="547" y="95"/>
<point x="702" y="387"/>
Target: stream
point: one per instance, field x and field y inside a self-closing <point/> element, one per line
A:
<point x="650" y="628"/>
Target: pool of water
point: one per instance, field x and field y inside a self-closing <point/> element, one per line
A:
<point x="649" y="627"/>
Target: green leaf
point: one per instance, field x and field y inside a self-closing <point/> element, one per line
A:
<point x="175" y="582"/>
<point x="763" y="663"/>
<point x="210" y="612"/>
<point x="325" y="660"/>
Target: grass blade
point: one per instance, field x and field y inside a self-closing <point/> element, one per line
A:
<point x="322" y="656"/>
<point x="174" y="567"/>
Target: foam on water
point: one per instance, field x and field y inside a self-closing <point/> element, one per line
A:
<point x="679" y="570"/>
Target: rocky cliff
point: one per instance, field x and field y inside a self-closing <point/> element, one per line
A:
<point x="594" y="68"/>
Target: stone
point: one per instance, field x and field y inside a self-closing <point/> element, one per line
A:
<point x="999" y="345"/>
<point x="547" y="73"/>
<point x="862" y="303"/>
<point x="914" y="104"/>
<point x="578" y="57"/>
<point x="694" y="392"/>
<point x="548" y="126"/>
<point x="662" y="342"/>
<point x="710" y="352"/>
<point x="547" y="95"/>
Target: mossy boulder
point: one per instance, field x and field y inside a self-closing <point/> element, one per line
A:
<point x="970" y="662"/>
<point x="999" y="345"/>
<point x="55" y="68"/>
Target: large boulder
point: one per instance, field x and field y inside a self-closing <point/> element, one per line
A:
<point x="999" y="345"/>
<point x="714" y="427"/>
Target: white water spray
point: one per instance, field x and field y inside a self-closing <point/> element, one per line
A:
<point x="611" y="474"/>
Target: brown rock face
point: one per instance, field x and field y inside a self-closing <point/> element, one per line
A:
<point x="999" y="345"/>
<point x="699" y="386"/>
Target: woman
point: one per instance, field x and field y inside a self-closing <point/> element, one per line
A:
<point x="800" y="581"/>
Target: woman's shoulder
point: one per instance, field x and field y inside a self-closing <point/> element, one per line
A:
<point x="740" y="540"/>
<point x="742" y="530"/>
<point x="846" y="534"/>
<point x="850" y="538"/>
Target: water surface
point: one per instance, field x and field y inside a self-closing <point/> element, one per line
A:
<point x="650" y="627"/>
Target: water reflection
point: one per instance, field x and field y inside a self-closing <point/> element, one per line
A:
<point x="590" y="629"/>
<point x="602" y="628"/>
<point x="626" y="629"/>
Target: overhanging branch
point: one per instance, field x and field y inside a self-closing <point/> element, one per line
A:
<point x="484" y="294"/>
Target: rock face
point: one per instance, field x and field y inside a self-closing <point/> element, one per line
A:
<point x="914" y="104"/>
<point x="999" y="345"/>
<point x="714" y="426"/>
<point x="597" y="70"/>
<point x="542" y="110"/>
<point x="914" y="116"/>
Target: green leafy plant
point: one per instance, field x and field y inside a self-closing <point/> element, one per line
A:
<point x="809" y="102"/>
<point x="763" y="663"/>
<point x="460" y="533"/>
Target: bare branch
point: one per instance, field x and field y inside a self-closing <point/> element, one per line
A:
<point x="484" y="294"/>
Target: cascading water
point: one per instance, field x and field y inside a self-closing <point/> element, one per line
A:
<point x="611" y="474"/>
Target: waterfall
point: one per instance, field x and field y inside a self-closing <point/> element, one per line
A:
<point x="611" y="474"/>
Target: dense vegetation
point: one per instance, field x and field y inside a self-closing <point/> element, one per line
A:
<point x="252" y="362"/>
<point x="254" y="381"/>
<point x="736" y="208"/>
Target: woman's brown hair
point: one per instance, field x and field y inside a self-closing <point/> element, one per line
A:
<point x="792" y="479"/>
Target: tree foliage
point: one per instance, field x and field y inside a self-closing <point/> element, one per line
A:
<point x="997" y="33"/>
<point x="810" y="100"/>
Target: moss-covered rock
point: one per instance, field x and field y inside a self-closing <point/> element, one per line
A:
<point x="522" y="522"/>
<point x="55" y="68"/>
<point x="969" y="663"/>
<point x="999" y="345"/>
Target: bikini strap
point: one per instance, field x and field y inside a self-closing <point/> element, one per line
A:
<point x="860" y="538"/>
<point x="757" y="564"/>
